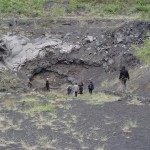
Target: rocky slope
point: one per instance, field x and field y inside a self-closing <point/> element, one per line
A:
<point x="72" y="50"/>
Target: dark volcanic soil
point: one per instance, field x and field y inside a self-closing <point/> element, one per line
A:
<point x="52" y="121"/>
<point x="75" y="125"/>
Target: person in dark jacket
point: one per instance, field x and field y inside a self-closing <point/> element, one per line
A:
<point x="47" y="85"/>
<point x="81" y="88"/>
<point x="123" y="77"/>
<point x="69" y="89"/>
<point x="91" y="87"/>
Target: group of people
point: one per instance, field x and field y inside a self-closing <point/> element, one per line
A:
<point x="78" y="88"/>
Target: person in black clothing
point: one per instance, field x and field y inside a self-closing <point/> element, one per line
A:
<point x="47" y="84"/>
<point x="124" y="75"/>
<point x="91" y="87"/>
<point x="81" y="88"/>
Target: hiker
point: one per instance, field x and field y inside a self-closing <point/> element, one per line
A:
<point x="124" y="75"/>
<point x="69" y="89"/>
<point x="91" y="87"/>
<point x="47" y="84"/>
<point x="81" y="88"/>
<point x="75" y="89"/>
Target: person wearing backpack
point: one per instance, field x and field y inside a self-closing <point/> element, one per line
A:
<point x="69" y="89"/>
<point x="91" y="87"/>
<point x="123" y="77"/>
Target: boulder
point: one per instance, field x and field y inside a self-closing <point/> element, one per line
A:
<point x="119" y="37"/>
<point x="77" y="47"/>
<point x="66" y="48"/>
<point x="110" y="61"/>
<point x="89" y="39"/>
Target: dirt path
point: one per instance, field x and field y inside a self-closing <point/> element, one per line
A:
<point x="72" y="124"/>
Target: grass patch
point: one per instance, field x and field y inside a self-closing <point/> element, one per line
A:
<point x="60" y="96"/>
<point x="9" y="104"/>
<point x="112" y="8"/>
<point x="144" y="8"/>
<point x="104" y="139"/>
<point x="65" y="8"/>
<point x="148" y="86"/>
<point x="110" y="83"/>
<point x="143" y="53"/>
<point x="129" y="125"/>
<point x="29" y="100"/>
<point x="100" y="148"/>
<point x="42" y="120"/>
<point x="51" y="96"/>
<point x="25" y="7"/>
<point x="26" y="146"/>
<point x="98" y="98"/>
<point x="135" y="101"/>
<point x="131" y="87"/>
<point x="57" y="11"/>
<point x="44" y="142"/>
<point x="43" y="108"/>
<point x="9" y="81"/>
<point x="1" y="126"/>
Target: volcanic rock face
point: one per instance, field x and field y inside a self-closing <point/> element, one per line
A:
<point x="18" y="49"/>
<point x="72" y="50"/>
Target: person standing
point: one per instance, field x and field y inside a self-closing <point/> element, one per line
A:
<point x="123" y="77"/>
<point x="47" y="85"/>
<point x="81" y="88"/>
<point x="75" y="88"/>
<point x="91" y="87"/>
<point x="69" y="89"/>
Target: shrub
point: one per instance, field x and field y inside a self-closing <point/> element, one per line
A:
<point x="142" y="2"/>
<point x="143" y="52"/>
<point x="72" y="6"/>
<point x="57" y="11"/>
<point x="144" y="8"/>
<point x="112" y="8"/>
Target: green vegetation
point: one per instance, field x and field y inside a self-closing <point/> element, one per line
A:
<point x="135" y="101"/>
<point x="22" y="7"/>
<point x="100" y="148"/>
<point x="66" y="123"/>
<point x="129" y="125"/>
<point x="56" y="96"/>
<point x="51" y="96"/>
<point x="43" y="108"/>
<point x="98" y="98"/>
<point x="27" y="146"/>
<point x="29" y="99"/>
<point x="63" y="8"/>
<point x="143" y="53"/>
<point x="9" y="81"/>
